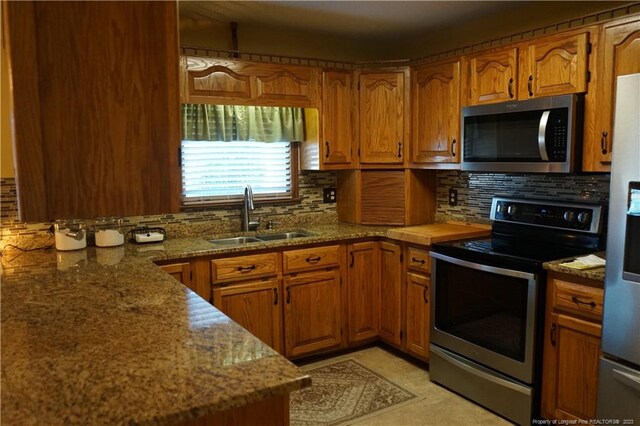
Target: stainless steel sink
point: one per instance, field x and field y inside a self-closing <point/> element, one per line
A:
<point x="235" y="241"/>
<point x="285" y="236"/>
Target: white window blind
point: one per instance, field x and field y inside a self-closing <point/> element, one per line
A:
<point x="214" y="171"/>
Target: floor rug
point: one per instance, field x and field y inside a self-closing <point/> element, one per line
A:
<point x="344" y="391"/>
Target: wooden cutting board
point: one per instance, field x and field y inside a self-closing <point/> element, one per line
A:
<point x="438" y="232"/>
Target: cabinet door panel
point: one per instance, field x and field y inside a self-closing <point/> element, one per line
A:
<point x="312" y="312"/>
<point x="417" y="321"/>
<point x="337" y="117"/>
<point x="256" y="306"/>
<point x="390" y="293"/>
<point x="179" y="271"/>
<point x="363" y="291"/>
<point x="554" y="65"/>
<point x="382" y="118"/>
<point x="297" y="89"/>
<point x="619" y="55"/>
<point x="571" y="356"/>
<point x="436" y="114"/>
<point x="218" y="80"/>
<point x="493" y="76"/>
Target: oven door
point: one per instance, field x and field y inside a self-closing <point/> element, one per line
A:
<point x="485" y="313"/>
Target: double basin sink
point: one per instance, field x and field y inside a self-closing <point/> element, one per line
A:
<point x="238" y="241"/>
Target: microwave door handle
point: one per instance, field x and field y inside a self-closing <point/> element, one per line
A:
<point x="542" y="135"/>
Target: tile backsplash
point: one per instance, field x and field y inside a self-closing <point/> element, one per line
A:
<point x="475" y="191"/>
<point x="311" y="210"/>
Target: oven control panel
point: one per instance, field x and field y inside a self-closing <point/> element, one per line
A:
<point x="568" y="216"/>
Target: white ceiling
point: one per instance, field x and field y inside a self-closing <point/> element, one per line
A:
<point x="358" y="19"/>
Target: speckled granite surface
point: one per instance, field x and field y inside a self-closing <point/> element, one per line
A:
<point x="593" y="274"/>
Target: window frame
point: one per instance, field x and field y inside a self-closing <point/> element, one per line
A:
<point x="258" y="200"/>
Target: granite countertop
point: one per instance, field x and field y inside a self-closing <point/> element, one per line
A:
<point x="104" y="336"/>
<point x="596" y="274"/>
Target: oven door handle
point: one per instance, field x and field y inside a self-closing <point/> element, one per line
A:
<point x="493" y="269"/>
<point x="542" y="136"/>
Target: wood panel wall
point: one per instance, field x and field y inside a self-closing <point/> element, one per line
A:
<point x="96" y="107"/>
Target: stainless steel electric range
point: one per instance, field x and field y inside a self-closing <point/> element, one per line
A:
<point x="488" y="300"/>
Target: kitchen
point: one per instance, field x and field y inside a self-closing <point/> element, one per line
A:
<point x="50" y="192"/>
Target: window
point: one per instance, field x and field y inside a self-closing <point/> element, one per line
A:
<point x="217" y="172"/>
<point x="227" y="147"/>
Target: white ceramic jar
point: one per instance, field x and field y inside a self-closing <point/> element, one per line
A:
<point x="109" y="232"/>
<point x="70" y="234"/>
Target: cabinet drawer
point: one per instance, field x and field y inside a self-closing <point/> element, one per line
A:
<point x="242" y="267"/>
<point x="418" y="260"/>
<point x="310" y="258"/>
<point x="577" y="299"/>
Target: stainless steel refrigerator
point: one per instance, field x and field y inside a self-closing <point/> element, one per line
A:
<point x="619" y="377"/>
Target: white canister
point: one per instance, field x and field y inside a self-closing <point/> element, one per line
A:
<point x="70" y="234"/>
<point x="109" y="232"/>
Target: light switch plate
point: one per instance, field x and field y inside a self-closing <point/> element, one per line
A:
<point x="329" y="195"/>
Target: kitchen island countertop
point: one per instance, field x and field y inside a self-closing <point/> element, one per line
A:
<point x="596" y="274"/>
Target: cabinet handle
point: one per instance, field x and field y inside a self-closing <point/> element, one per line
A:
<point x="453" y="144"/>
<point x="552" y="334"/>
<point x="313" y="259"/>
<point x="246" y="268"/>
<point x="399" y="149"/>
<point x="530" y="85"/>
<point x="603" y="142"/>
<point x="510" y="88"/>
<point x="352" y="260"/>
<point x="420" y="261"/>
<point x="326" y="154"/>
<point x="424" y="295"/>
<point x="275" y="296"/>
<point x="288" y="295"/>
<point x="577" y="301"/>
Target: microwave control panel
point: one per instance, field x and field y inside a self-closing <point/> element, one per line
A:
<point x="556" y="135"/>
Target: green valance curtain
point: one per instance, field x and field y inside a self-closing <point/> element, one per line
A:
<point x="242" y="123"/>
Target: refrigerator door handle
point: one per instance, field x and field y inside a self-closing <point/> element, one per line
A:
<point x="627" y="379"/>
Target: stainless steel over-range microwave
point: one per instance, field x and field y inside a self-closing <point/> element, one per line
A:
<point x="542" y="135"/>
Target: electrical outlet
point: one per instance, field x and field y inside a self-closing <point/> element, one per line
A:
<point x="329" y="195"/>
<point x="453" y="197"/>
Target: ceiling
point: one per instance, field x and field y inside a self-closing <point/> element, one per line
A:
<point x="356" y="19"/>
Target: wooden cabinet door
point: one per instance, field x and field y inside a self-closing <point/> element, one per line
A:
<point x="492" y="76"/>
<point x="570" y="368"/>
<point x="382" y="118"/>
<point x="619" y="54"/>
<point x="390" y="293"/>
<point x="436" y="114"/>
<point x="211" y="78"/>
<point x="312" y="312"/>
<point x="363" y="291"/>
<point x="417" y="319"/>
<point x="287" y="85"/>
<point x="337" y="97"/>
<point x="179" y="271"/>
<point x="256" y="306"/>
<point x="555" y="65"/>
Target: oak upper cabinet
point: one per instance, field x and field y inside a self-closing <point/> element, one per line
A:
<point x="363" y="291"/>
<point x="390" y="293"/>
<point x="491" y="76"/>
<point x="417" y="314"/>
<point x="383" y="117"/>
<point x="571" y="348"/>
<point x="256" y="306"/>
<point x="618" y="53"/>
<point x="554" y="65"/>
<point x="312" y="312"/>
<point x="435" y="97"/>
<point x="227" y="81"/>
<point x="338" y="119"/>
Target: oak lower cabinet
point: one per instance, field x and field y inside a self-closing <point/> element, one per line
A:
<point x="180" y="271"/>
<point x="416" y="328"/>
<point x="256" y="306"/>
<point x="363" y="291"/>
<point x="390" y="293"/>
<point x="312" y="312"/>
<point x="573" y="327"/>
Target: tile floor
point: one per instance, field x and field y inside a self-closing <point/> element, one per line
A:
<point x="435" y="405"/>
